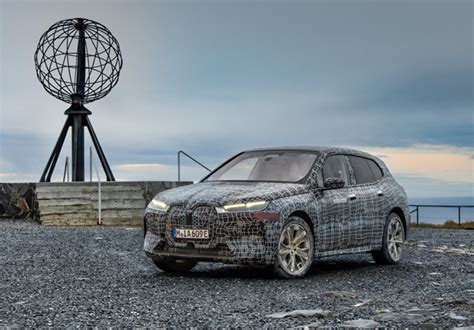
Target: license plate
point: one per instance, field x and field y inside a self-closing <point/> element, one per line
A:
<point x="190" y="233"/>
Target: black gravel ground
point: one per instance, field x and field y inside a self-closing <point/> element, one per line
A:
<point x="100" y="277"/>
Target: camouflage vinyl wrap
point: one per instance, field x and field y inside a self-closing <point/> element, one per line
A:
<point x="340" y="225"/>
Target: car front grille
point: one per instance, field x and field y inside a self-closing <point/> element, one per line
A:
<point x="199" y="217"/>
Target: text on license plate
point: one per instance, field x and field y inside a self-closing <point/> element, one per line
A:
<point x="190" y="233"/>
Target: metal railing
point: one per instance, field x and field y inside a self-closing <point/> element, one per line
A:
<point x="417" y="207"/>
<point x="99" y="187"/>
<point x="66" y="170"/>
<point x="181" y="152"/>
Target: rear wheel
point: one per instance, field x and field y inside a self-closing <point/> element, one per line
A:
<point x="295" y="249"/>
<point x="392" y="242"/>
<point x="172" y="265"/>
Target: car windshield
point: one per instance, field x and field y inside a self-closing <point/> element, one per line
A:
<point x="278" y="166"/>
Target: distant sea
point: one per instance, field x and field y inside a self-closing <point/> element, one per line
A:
<point x="440" y="215"/>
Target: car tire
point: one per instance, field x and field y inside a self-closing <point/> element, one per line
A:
<point x="392" y="241"/>
<point x="295" y="249"/>
<point x="172" y="265"/>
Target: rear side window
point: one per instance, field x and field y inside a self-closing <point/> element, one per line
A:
<point x="336" y="167"/>
<point x="362" y="171"/>
<point x="376" y="171"/>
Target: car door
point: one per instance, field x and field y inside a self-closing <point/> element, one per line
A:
<point x="367" y="224"/>
<point x="335" y="215"/>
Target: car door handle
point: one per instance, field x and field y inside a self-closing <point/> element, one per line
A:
<point x="380" y="193"/>
<point x="351" y="197"/>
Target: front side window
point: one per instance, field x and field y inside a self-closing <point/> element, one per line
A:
<point x="362" y="171"/>
<point x="336" y="167"/>
<point x="276" y="166"/>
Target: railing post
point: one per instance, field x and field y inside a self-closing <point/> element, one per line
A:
<point x="99" y="191"/>
<point x="193" y="159"/>
<point x="90" y="163"/>
<point x="100" y="201"/>
<point x="66" y="170"/>
<point x="417" y="215"/>
<point x="179" y="166"/>
<point x="459" y="215"/>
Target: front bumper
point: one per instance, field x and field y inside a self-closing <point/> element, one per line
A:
<point x="233" y="238"/>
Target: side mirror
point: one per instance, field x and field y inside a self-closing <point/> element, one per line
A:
<point x="334" y="183"/>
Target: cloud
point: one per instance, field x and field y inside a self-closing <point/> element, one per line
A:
<point x="431" y="170"/>
<point x="440" y="169"/>
<point x="140" y="166"/>
<point x="4" y="175"/>
<point x="157" y="172"/>
<point x="216" y="78"/>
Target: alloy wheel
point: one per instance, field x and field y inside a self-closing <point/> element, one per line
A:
<point x="395" y="238"/>
<point x="294" y="249"/>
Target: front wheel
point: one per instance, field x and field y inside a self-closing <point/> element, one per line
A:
<point x="392" y="242"/>
<point x="295" y="249"/>
<point x="172" y="265"/>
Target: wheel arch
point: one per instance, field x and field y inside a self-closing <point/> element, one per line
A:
<point x="303" y="215"/>
<point x="398" y="211"/>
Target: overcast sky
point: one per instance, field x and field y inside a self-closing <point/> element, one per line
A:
<point x="215" y="77"/>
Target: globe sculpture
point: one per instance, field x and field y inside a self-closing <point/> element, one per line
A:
<point x="78" y="61"/>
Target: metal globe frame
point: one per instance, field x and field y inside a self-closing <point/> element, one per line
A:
<point x="78" y="61"/>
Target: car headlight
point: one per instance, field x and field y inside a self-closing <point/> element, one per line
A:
<point x="243" y="207"/>
<point x="158" y="205"/>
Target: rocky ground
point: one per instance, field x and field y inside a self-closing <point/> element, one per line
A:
<point x="99" y="276"/>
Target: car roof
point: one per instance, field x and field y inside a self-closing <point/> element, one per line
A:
<point x="326" y="151"/>
<point x="321" y="149"/>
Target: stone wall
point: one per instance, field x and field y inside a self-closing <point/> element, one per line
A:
<point x="17" y="200"/>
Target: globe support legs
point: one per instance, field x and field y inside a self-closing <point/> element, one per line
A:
<point x="77" y="119"/>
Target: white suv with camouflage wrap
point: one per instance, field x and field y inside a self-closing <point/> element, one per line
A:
<point x="282" y="207"/>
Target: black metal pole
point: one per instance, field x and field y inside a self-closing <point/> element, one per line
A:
<point x="48" y="170"/>
<point x="77" y="121"/>
<point x="100" y="152"/>
<point x="81" y="59"/>
<point x="77" y="148"/>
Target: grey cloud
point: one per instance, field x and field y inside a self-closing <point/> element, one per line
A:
<point x="214" y="78"/>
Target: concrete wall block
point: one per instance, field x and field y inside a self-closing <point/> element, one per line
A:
<point x="120" y="221"/>
<point x="67" y="209"/>
<point x="106" y="195"/>
<point x="65" y="195"/>
<point x="61" y="221"/>
<point x="121" y="204"/>
<point x="118" y="195"/>
<point x="78" y="219"/>
<point x="64" y="202"/>
<point x="66" y="188"/>
<point x="76" y="203"/>
<point x="122" y="213"/>
<point x="79" y="216"/>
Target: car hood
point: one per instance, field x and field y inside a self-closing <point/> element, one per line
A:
<point x="221" y="193"/>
